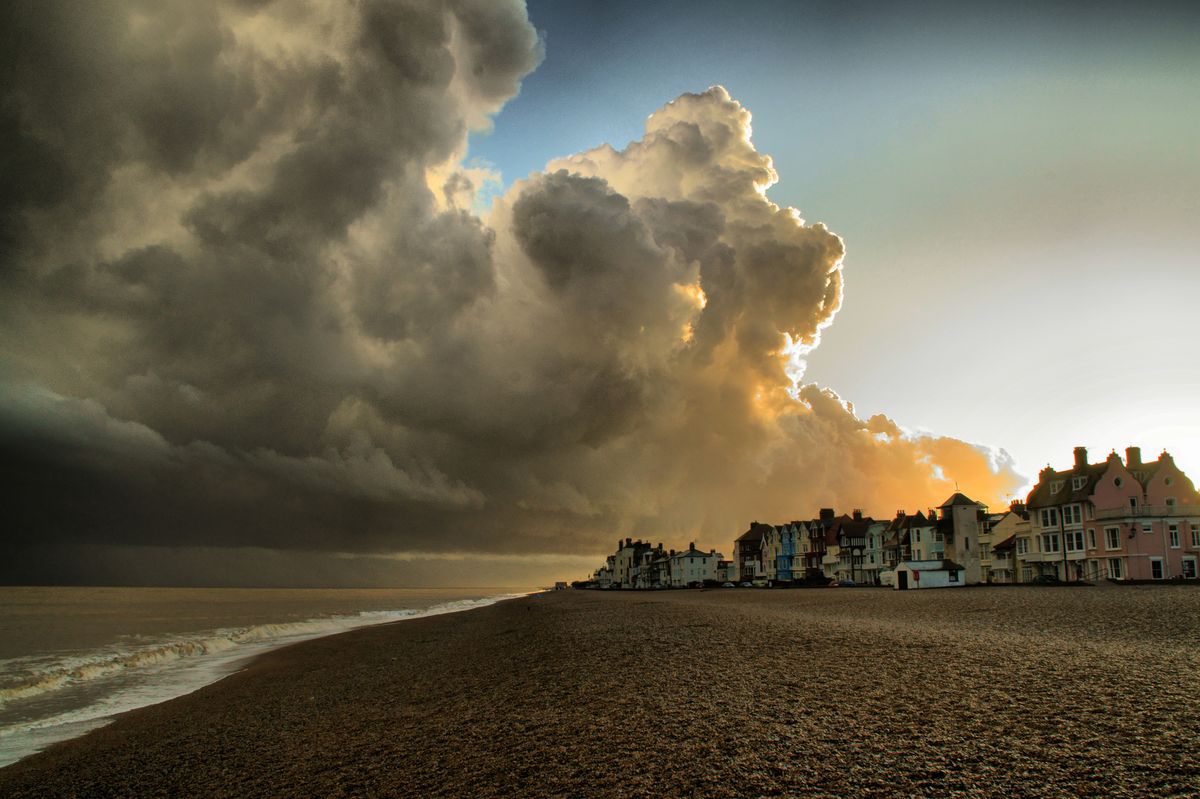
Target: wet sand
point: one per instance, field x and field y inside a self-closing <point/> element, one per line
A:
<point x="836" y="692"/>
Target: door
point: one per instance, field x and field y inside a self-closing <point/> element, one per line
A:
<point x="902" y="580"/>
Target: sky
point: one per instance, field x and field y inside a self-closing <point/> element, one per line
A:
<point x="414" y="293"/>
<point x="1016" y="185"/>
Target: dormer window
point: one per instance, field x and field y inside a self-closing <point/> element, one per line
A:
<point x="1056" y="486"/>
<point x="1078" y="483"/>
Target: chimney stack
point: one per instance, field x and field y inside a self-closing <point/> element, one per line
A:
<point x="691" y="545"/>
<point x="1080" y="458"/>
<point x="827" y="514"/>
<point x="1133" y="457"/>
<point x="628" y="542"/>
<point x="858" y="514"/>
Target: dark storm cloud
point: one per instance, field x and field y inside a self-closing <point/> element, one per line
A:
<point x="245" y="307"/>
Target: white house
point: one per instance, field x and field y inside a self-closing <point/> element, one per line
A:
<point x="913" y="574"/>
<point x="693" y="566"/>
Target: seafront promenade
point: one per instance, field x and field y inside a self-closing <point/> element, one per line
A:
<point x="984" y="692"/>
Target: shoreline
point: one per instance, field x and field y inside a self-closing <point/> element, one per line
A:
<point x="202" y="668"/>
<point x="687" y="693"/>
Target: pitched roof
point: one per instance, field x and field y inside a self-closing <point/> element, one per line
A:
<point x="1043" y="494"/>
<point x="956" y="499"/>
<point x="1007" y="543"/>
<point x="755" y="533"/>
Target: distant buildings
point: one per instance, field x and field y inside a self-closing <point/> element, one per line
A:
<point x="638" y="564"/>
<point x="1115" y="520"/>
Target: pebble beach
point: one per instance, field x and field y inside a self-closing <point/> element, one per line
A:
<point x="997" y="691"/>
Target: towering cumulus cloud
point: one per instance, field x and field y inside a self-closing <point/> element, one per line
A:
<point x="244" y="310"/>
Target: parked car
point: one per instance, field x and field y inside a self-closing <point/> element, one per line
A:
<point x="746" y="584"/>
<point x="1046" y="579"/>
<point x="728" y="585"/>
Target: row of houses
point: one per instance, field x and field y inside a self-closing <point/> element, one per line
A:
<point x="1117" y="519"/>
<point x="943" y="544"/>
<point x="638" y="564"/>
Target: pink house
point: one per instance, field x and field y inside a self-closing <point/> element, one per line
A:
<point x="1118" y="520"/>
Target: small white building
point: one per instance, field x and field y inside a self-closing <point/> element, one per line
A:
<point x="693" y="566"/>
<point x="912" y="574"/>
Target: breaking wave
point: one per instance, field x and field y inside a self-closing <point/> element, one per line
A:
<point x="45" y="678"/>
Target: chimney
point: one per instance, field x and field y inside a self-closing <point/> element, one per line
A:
<point x="858" y="514"/>
<point x="1016" y="505"/>
<point x="691" y="545"/>
<point x="628" y="542"/>
<point x="900" y="514"/>
<point x="1080" y="458"/>
<point x="827" y="514"/>
<point x="1133" y="457"/>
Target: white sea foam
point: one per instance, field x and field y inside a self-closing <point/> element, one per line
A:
<point x="72" y="694"/>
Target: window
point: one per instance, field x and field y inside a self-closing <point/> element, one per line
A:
<point x="1117" y="482"/>
<point x="1022" y="546"/>
<point x="917" y="536"/>
<point x="1112" y="537"/>
<point x="1133" y="503"/>
<point x="1189" y="568"/>
<point x="1049" y="517"/>
<point x="1195" y="534"/>
<point x="1170" y="502"/>
<point x="1156" y="568"/>
<point x="1074" y="540"/>
<point x="985" y="551"/>
<point x="967" y="544"/>
<point x="1056" y="486"/>
<point x="1078" y="483"/>
<point x="1090" y="510"/>
<point x="1026" y="574"/>
<point x="1050" y="542"/>
<point x="1114" y="568"/>
<point x="1091" y="538"/>
<point x="1147" y="528"/>
<point x="953" y="576"/>
<point x="1071" y="515"/>
<point x="1173" y="532"/>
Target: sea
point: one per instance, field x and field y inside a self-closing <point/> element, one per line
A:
<point x="72" y="658"/>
